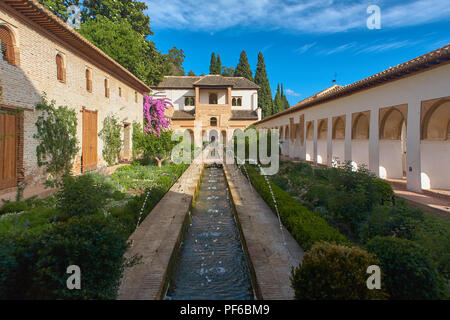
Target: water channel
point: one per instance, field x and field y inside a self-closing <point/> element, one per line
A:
<point x="211" y="263"/>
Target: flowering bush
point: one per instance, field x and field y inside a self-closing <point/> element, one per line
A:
<point x="154" y="115"/>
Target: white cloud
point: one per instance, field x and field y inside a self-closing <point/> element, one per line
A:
<point x="292" y="93"/>
<point x="305" y="47"/>
<point x="309" y="16"/>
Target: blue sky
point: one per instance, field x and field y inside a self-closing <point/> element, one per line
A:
<point x="304" y="42"/>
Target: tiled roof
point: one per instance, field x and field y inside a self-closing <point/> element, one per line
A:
<point x="43" y="17"/>
<point x="182" y="82"/>
<point x="183" y="115"/>
<point x="243" y="115"/>
<point x="427" y="61"/>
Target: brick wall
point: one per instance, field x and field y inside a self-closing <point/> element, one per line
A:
<point x="23" y="85"/>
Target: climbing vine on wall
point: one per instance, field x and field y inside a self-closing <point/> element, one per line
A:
<point x="112" y="143"/>
<point x="56" y="133"/>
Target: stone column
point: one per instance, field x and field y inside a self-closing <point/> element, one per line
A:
<point x="315" y="142"/>
<point x="348" y="137"/>
<point x="413" y="166"/>
<point x="374" y="137"/>
<point x="330" y="142"/>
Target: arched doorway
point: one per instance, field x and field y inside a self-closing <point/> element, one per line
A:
<point x="360" y="139"/>
<point x="338" y="135"/>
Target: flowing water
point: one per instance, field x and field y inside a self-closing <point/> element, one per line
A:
<point x="211" y="263"/>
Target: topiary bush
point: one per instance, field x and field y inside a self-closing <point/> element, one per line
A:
<point x="410" y="273"/>
<point x="332" y="272"/>
<point x="81" y="196"/>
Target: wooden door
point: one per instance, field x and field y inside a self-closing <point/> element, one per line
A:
<point x="9" y="137"/>
<point x="89" y="156"/>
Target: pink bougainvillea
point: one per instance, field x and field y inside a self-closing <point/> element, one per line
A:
<point x="154" y="114"/>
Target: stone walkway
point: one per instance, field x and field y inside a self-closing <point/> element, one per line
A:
<point x="271" y="259"/>
<point x="157" y="238"/>
<point x="430" y="201"/>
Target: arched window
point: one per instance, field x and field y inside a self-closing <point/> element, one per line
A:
<point x="213" y="98"/>
<point x="237" y="102"/>
<point x="88" y="80"/>
<point x="106" y="88"/>
<point x="135" y="97"/>
<point x="213" y="122"/>
<point x="8" y="50"/>
<point x="120" y="91"/>
<point x="189" y="101"/>
<point x="60" y="70"/>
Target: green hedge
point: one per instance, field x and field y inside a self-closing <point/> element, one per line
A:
<point x="306" y="227"/>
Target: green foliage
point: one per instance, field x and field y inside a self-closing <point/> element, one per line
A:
<point x="158" y="148"/>
<point x="215" y="66"/>
<point x="433" y="234"/>
<point x="333" y="272"/>
<point x="400" y="221"/>
<point x="306" y="227"/>
<point x="265" y="101"/>
<point x="13" y="206"/>
<point x="34" y="220"/>
<point x="243" y="67"/>
<point x="81" y="196"/>
<point x="120" y="42"/>
<point x="383" y="190"/>
<point x="34" y="266"/>
<point x="56" y="133"/>
<point x="410" y="273"/>
<point x="112" y="143"/>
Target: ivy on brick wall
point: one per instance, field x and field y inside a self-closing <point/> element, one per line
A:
<point x="112" y="143"/>
<point x="56" y="133"/>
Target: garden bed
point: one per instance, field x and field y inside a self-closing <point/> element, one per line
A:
<point x="364" y="209"/>
<point x="87" y="224"/>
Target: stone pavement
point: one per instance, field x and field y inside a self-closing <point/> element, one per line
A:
<point x="430" y="201"/>
<point x="271" y="259"/>
<point x="157" y="238"/>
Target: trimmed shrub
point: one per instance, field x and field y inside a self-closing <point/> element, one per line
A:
<point x="384" y="191"/>
<point x="13" y="206"/>
<point x="306" y="227"/>
<point x="333" y="272"/>
<point x="36" y="266"/>
<point x="410" y="273"/>
<point x="81" y="196"/>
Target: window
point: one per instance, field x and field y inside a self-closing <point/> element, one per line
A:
<point x="8" y="50"/>
<point x="237" y="101"/>
<point x="88" y="80"/>
<point x="213" y="122"/>
<point x="106" y="88"/>
<point x="60" y="70"/>
<point x="213" y="98"/>
<point x="189" y="101"/>
<point x="120" y="91"/>
<point x="135" y="97"/>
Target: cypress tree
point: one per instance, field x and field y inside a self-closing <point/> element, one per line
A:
<point x="284" y="100"/>
<point x="218" y="68"/>
<point x="277" y="102"/>
<point x="213" y="63"/>
<point x="243" y="68"/>
<point x="265" y="93"/>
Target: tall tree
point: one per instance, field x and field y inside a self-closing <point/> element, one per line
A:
<point x="212" y="64"/>
<point x="284" y="100"/>
<point x="265" y="101"/>
<point x="277" y="102"/>
<point x="174" y="62"/>
<point x="218" y="68"/>
<point x="243" y="68"/>
<point x="191" y="73"/>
